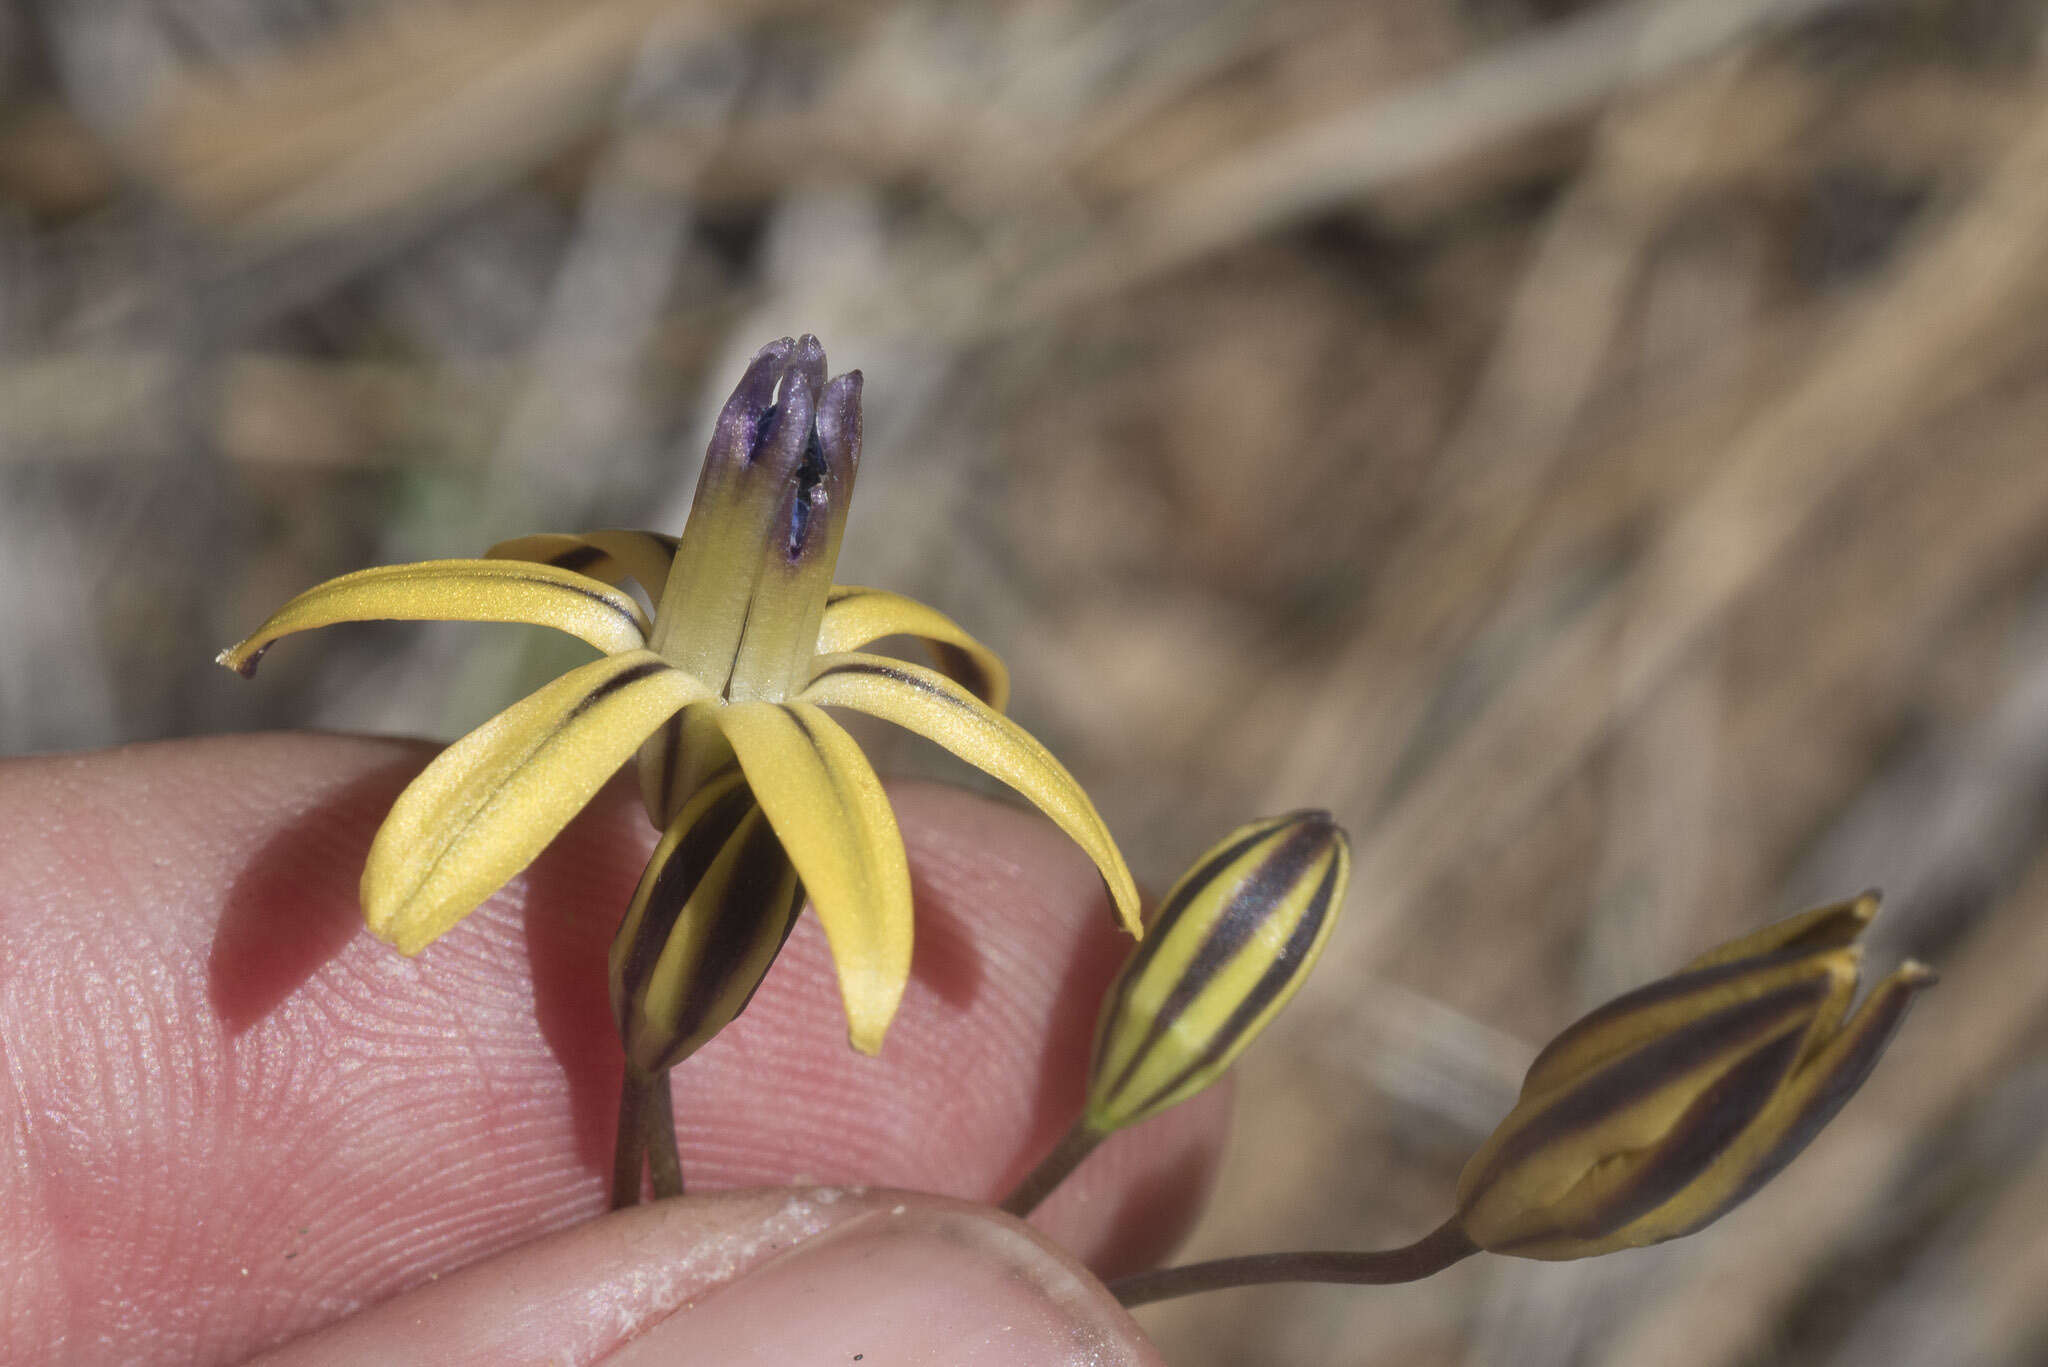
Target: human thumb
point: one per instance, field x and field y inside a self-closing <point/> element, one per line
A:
<point x="766" y="1276"/>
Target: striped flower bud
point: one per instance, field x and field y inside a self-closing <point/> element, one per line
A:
<point x="717" y="900"/>
<point x="1233" y="940"/>
<point x="1659" y="1112"/>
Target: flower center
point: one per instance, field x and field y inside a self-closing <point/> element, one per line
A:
<point x="747" y="592"/>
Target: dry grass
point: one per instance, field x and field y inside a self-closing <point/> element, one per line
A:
<point x="1597" y="452"/>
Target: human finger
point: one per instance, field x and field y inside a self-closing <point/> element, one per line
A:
<point x="767" y="1276"/>
<point x="233" y="1116"/>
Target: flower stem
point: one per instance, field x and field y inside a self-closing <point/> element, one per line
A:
<point x="1075" y="1145"/>
<point x="1430" y="1254"/>
<point x="664" y="1163"/>
<point x="629" y="1151"/>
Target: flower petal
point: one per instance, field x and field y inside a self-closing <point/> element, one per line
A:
<point x="613" y="555"/>
<point x="929" y="703"/>
<point x="1830" y="927"/>
<point x="712" y="910"/>
<point x="1569" y="1170"/>
<point x="1659" y="1009"/>
<point x="493" y="800"/>
<point x="1796" y="1113"/>
<point x="456" y="591"/>
<point x="828" y="807"/>
<point x="676" y="760"/>
<point x="855" y="616"/>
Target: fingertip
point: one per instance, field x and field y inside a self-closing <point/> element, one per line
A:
<point x="769" y="1276"/>
<point x="917" y="1281"/>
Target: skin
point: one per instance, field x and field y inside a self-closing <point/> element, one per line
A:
<point x="231" y="1121"/>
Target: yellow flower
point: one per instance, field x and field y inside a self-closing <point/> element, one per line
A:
<point x="749" y="642"/>
<point x="1662" y="1110"/>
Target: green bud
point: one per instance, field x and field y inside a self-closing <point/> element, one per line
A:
<point x="1661" y="1111"/>
<point x="712" y="910"/>
<point x="1233" y="940"/>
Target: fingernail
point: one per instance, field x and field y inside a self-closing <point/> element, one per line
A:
<point x="906" y="1284"/>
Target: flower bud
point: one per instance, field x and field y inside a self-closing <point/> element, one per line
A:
<point x="1233" y="940"/>
<point x="1659" y="1112"/>
<point x="717" y="900"/>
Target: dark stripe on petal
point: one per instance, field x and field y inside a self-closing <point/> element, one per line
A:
<point x="601" y="593"/>
<point x="678" y="878"/>
<point x="955" y="662"/>
<point x="1263" y="888"/>
<point x="671" y="763"/>
<point x="962" y="668"/>
<point x="744" y="910"/>
<point x="883" y="671"/>
<point x="1177" y="901"/>
<point x="577" y="558"/>
<point x="811" y="739"/>
<point x="625" y="678"/>
<point x="1708" y="1126"/>
<point x="804" y="729"/>
<point x="788" y="913"/>
<point x="1658" y="993"/>
<point x="1270" y="985"/>
<point x="1885" y="1010"/>
<point x="1626" y="1080"/>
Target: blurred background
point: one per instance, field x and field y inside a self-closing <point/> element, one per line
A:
<point x="1600" y="451"/>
